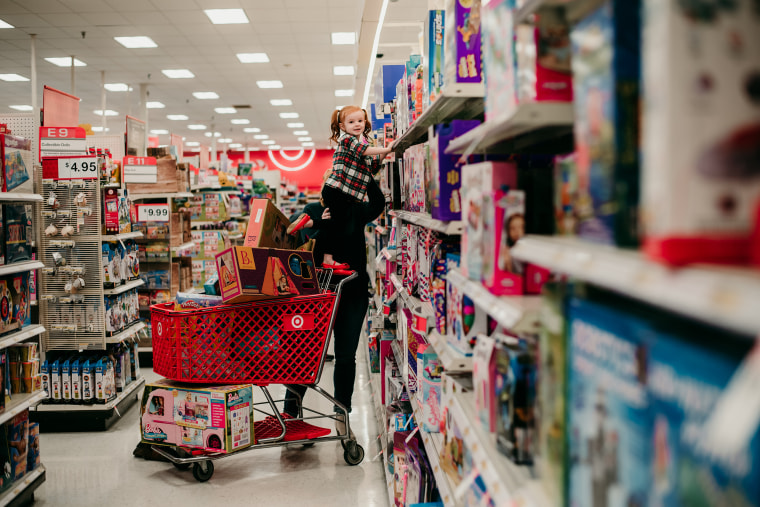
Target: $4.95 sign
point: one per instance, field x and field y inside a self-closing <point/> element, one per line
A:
<point x="153" y="212"/>
<point x="70" y="168"/>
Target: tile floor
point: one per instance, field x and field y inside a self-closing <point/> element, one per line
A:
<point x="98" y="469"/>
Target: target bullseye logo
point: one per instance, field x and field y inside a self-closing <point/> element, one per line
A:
<point x="291" y="162"/>
<point x="160" y="329"/>
<point x="299" y="322"/>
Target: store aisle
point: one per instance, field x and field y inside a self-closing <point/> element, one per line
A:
<point x="96" y="469"/>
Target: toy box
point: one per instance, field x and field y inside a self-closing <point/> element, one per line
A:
<point x="385" y="353"/>
<point x="477" y="181"/>
<point x="218" y="418"/>
<point x="498" y="58"/>
<point x="33" y="449"/>
<point x="462" y="42"/>
<point x="482" y="380"/>
<point x="701" y="130"/>
<point x="18" y="232"/>
<point x="15" y="310"/>
<point x="565" y="195"/>
<point x="503" y="215"/>
<point x="608" y="414"/>
<point x="268" y="227"/>
<point x="434" y="55"/>
<point x="552" y="393"/>
<point x="464" y="320"/>
<point x="445" y="174"/>
<point x="111" y="210"/>
<point x="543" y="58"/>
<point x="430" y="372"/>
<point x="17" y="437"/>
<point x="16" y="161"/>
<point x="249" y="274"/>
<point x="606" y="83"/>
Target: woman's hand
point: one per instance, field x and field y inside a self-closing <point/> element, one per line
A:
<point x="326" y="214"/>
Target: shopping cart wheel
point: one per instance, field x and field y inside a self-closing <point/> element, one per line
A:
<point x="354" y="453"/>
<point x="308" y="444"/>
<point x="203" y="470"/>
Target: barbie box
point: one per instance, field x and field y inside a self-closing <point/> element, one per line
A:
<point x="218" y="418"/>
<point x="251" y="274"/>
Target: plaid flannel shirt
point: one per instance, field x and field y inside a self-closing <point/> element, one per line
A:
<point x="352" y="171"/>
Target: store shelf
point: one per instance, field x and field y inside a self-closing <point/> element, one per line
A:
<point x="20" y="402"/>
<point x="20" y="267"/>
<point x="14" y="197"/>
<point x="463" y="101"/>
<point x="174" y="195"/>
<point x="726" y="297"/>
<point x="182" y="247"/>
<point x="123" y="288"/>
<point x="389" y="254"/>
<point x="516" y="313"/>
<point x="452" y="360"/>
<point x="130" y="331"/>
<point x="425" y="220"/>
<point x="381" y="230"/>
<point x="235" y="237"/>
<point x="398" y="354"/>
<point x="533" y="123"/>
<point x="144" y="350"/>
<point x="506" y="482"/>
<point x="123" y="236"/>
<point x="24" y="487"/>
<point x="202" y="223"/>
<point x="575" y="9"/>
<point x="131" y="388"/>
<point x="21" y="335"/>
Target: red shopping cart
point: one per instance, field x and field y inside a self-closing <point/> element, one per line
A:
<point x="277" y="341"/>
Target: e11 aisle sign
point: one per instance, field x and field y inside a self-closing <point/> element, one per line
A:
<point x="140" y="170"/>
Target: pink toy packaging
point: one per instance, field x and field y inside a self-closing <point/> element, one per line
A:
<point x="701" y="126"/>
<point x="463" y="319"/>
<point x="503" y="226"/>
<point x="218" y="418"/>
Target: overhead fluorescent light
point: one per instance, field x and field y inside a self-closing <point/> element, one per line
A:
<point x="155" y="105"/>
<point x="301" y="133"/>
<point x="373" y="55"/>
<point x="227" y="16"/>
<point x="251" y="129"/>
<point x="13" y="77"/>
<point x="138" y="42"/>
<point x="196" y="127"/>
<point x="281" y="102"/>
<point x="100" y="129"/>
<point x="275" y="147"/>
<point x="225" y="110"/>
<point x="225" y="140"/>
<point x="192" y="143"/>
<point x="306" y="145"/>
<point x="177" y="73"/>
<point x="343" y="70"/>
<point x="159" y="131"/>
<point x="108" y="112"/>
<point x="208" y="134"/>
<point x="65" y="61"/>
<point x="339" y="38"/>
<point x="306" y="139"/>
<point x="217" y="134"/>
<point x="253" y="57"/>
<point x="205" y="95"/>
<point x="269" y="84"/>
<point x="267" y="142"/>
<point x="296" y="125"/>
<point x="176" y="117"/>
<point x="240" y="121"/>
<point x="236" y="145"/>
<point x="3" y="24"/>
<point x="261" y="136"/>
<point x="288" y="115"/>
<point x="344" y="93"/>
<point x="21" y="107"/>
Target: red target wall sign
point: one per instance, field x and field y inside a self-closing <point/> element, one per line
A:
<point x="291" y="160"/>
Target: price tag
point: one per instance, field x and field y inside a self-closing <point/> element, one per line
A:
<point x="140" y="170"/>
<point x="62" y="141"/>
<point x="153" y="212"/>
<point x="78" y="168"/>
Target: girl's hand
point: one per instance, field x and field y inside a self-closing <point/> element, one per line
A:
<point x="326" y="214"/>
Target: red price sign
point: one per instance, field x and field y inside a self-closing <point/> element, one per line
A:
<point x="70" y="168"/>
<point x="140" y="170"/>
<point x="62" y="141"/>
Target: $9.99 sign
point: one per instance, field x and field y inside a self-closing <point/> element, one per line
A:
<point x="153" y="212"/>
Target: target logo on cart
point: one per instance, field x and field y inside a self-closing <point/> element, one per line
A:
<point x="298" y="322"/>
<point x="160" y="329"/>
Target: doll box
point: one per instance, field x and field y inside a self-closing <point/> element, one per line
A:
<point x="16" y="162"/>
<point x="462" y="42"/>
<point x="18" y="234"/>
<point x="267" y="226"/>
<point x="218" y="418"/>
<point x="503" y="215"/>
<point x="498" y="58"/>
<point x="250" y="274"/>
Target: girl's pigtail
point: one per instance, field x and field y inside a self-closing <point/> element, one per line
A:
<point x="367" y="126"/>
<point x="335" y="126"/>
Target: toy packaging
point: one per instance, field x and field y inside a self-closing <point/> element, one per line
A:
<point x="608" y="416"/>
<point x="434" y="55"/>
<point x="105" y="382"/>
<point x="444" y="183"/>
<point x="17" y="437"/>
<point x="462" y="42"/>
<point x="111" y="210"/>
<point x="16" y="160"/>
<point x="186" y="301"/>
<point x="218" y="418"/>
<point x="482" y="379"/>
<point x="15" y="310"/>
<point x="33" y="449"/>
<point x="701" y="167"/>
<point x="250" y="274"/>
<point x="606" y="83"/>
<point x="503" y="215"/>
<point x="267" y="226"/>
<point x="463" y="319"/>
<point x="498" y="58"/>
<point x="18" y="232"/>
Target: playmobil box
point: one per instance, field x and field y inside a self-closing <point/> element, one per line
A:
<point x="16" y="163"/>
<point x="268" y="227"/>
<point x="462" y="42"/>
<point x="218" y="418"/>
<point x="250" y="274"/>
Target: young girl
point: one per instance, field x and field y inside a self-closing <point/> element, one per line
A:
<point x="354" y="164"/>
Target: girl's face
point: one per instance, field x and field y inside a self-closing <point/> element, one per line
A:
<point x="517" y="228"/>
<point x="353" y="124"/>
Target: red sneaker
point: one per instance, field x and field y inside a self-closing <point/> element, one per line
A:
<point x="335" y="265"/>
<point x="342" y="272"/>
<point x="299" y="224"/>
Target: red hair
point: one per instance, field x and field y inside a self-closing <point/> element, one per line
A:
<point x="339" y="116"/>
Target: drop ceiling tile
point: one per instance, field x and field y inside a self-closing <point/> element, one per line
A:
<point x="131" y="5"/>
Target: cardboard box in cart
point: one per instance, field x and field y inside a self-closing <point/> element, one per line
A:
<point x="267" y="226"/>
<point x="214" y="418"/>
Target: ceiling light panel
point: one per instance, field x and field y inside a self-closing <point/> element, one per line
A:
<point x="159" y="131"/>
<point x="240" y="121"/>
<point x="225" y="110"/>
<point x="21" y="107"/>
<point x="225" y="140"/>
<point x="100" y="129"/>
<point x="65" y="61"/>
<point x="196" y="127"/>
<point x="275" y="147"/>
<point x="341" y="38"/>
<point x="235" y="145"/>
<point x="227" y="16"/>
<point x="155" y="105"/>
<point x="281" y="102"/>
<point x="304" y="139"/>
<point x="267" y="142"/>
<point x="343" y="70"/>
<point x="4" y="24"/>
<point x="269" y="84"/>
<point x="251" y="129"/>
<point x="138" y="42"/>
<point x="261" y="136"/>
<point x="344" y="93"/>
<point x="288" y="115"/>
<point x="13" y="77"/>
<point x="108" y="112"/>
<point x="192" y="143"/>
<point x="205" y="95"/>
<point x="301" y="133"/>
<point x="178" y="73"/>
<point x="177" y="117"/>
<point x="296" y="125"/>
<point x="306" y="145"/>
<point x="253" y="57"/>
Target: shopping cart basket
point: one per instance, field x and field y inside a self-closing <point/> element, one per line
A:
<point x="277" y="341"/>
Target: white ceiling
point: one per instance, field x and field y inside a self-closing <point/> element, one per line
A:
<point x="294" y="33"/>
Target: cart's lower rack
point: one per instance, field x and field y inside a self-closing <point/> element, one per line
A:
<point x="22" y="490"/>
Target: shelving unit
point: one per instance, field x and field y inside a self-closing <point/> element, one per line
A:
<point x="133" y="284"/>
<point x="575" y="9"/>
<point x="129" y="332"/>
<point x="122" y="236"/>
<point x="23" y="334"/>
<point x="20" y="402"/>
<point x="6" y="197"/>
<point x="20" y="267"/>
<point x="22" y="491"/>
<point x="425" y="220"/>
<point x="452" y="360"/>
